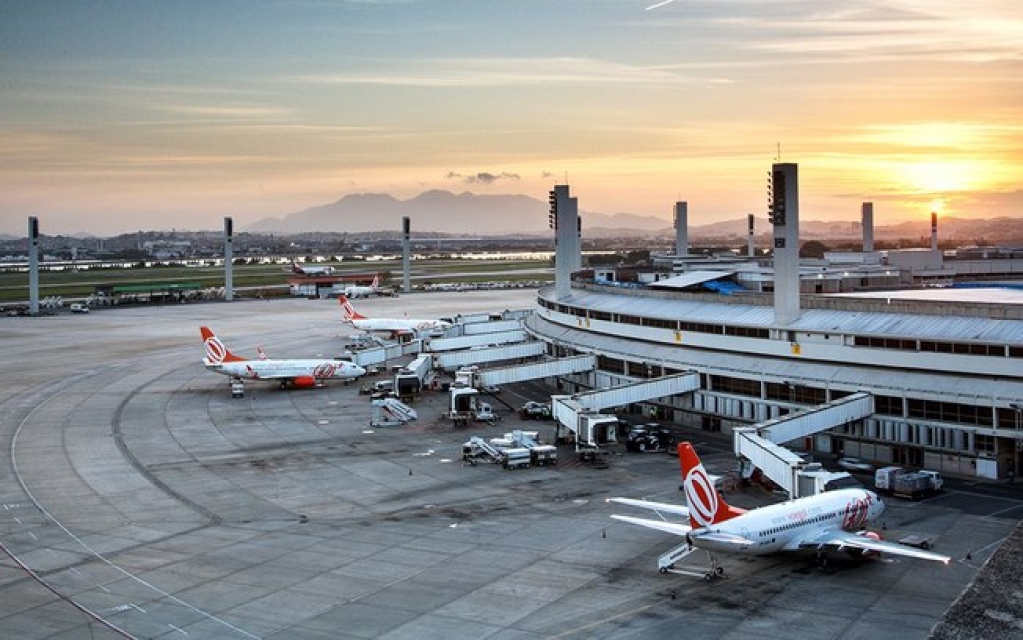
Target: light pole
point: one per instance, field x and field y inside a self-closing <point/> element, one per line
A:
<point x="1018" y="408"/>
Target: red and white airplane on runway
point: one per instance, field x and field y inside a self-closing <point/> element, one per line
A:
<point x="393" y="325"/>
<point x="298" y="373"/>
<point x="833" y="520"/>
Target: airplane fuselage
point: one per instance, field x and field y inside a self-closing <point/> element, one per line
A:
<point x="782" y="527"/>
<point x="288" y="369"/>
<point x="397" y="324"/>
<point x="360" y="292"/>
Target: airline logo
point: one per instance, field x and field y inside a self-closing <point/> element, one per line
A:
<point x="215" y="349"/>
<point x="857" y="513"/>
<point x="324" y="370"/>
<point x="347" y="310"/>
<point x="702" y="496"/>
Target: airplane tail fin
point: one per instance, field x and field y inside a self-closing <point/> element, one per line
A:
<point x="376" y="282"/>
<point x="348" y="312"/>
<point x="216" y="352"/>
<point x="706" y="505"/>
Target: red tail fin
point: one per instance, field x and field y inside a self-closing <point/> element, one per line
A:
<point x="348" y="312"/>
<point x="706" y="505"/>
<point x="216" y="352"/>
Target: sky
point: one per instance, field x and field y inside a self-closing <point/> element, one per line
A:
<point x="121" y="115"/>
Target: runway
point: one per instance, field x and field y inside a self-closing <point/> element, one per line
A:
<point x="141" y="500"/>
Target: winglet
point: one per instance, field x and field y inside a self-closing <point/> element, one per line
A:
<point x="216" y="352"/>
<point x="348" y="312"/>
<point x="706" y="505"/>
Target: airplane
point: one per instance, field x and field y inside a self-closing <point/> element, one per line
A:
<point x="393" y="325"/>
<point x="309" y="270"/>
<point x="298" y="373"/>
<point x="356" y="291"/>
<point x="833" y="520"/>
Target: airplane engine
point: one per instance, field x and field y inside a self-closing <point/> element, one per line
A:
<point x="304" y="382"/>
<point x="864" y="554"/>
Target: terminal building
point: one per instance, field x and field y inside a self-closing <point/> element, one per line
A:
<point x="945" y="378"/>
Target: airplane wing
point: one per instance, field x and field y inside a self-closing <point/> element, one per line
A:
<point x="680" y="529"/>
<point x="841" y="539"/>
<point x="663" y="507"/>
<point x="676" y="528"/>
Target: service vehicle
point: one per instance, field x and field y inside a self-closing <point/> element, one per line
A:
<point x="535" y="411"/>
<point x="907" y="484"/>
<point x="649" y="437"/>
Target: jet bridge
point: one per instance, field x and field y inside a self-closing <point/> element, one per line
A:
<point x="478" y="341"/>
<point x="578" y="412"/>
<point x="453" y="360"/>
<point x="533" y="371"/>
<point x="760" y="443"/>
<point x="380" y="355"/>
<point x="629" y="393"/>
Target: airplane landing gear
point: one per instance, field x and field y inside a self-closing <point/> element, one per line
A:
<point x="823" y="561"/>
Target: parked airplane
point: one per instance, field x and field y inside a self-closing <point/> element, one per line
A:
<point x="393" y="325"/>
<point x="356" y="291"/>
<point x="310" y="270"/>
<point x="298" y="373"/>
<point x="833" y="520"/>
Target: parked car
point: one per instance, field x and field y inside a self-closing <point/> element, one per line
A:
<point x="855" y="464"/>
<point x="535" y="411"/>
<point x="649" y="437"/>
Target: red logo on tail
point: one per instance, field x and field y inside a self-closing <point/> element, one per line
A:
<point x="706" y="506"/>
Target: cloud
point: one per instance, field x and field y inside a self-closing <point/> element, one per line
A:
<point x="500" y="71"/>
<point x="483" y="177"/>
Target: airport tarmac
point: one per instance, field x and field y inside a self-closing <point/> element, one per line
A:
<point x="141" y="500"/>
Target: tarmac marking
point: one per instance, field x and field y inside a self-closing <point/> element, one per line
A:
<point x="993" y="544"/>
<point x="597" y="623"/>
<point x="997" y="513"/>
<point x="98" y="555"/>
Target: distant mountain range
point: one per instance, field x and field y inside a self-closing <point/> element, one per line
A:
<point x="493" y="215"/>
<point x="446" y="212"/>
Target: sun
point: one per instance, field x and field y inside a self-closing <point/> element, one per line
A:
<point x="939" y="176"/>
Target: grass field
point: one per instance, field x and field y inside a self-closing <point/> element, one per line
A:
<point x="81" y="284"/>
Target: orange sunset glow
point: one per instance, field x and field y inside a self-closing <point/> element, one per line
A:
<point x="119" y="116"/>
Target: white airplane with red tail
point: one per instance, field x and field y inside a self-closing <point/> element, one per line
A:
<point x="392" y="325"/>
<point x="310" y="270"/>
<point x="833" y="520"/>
<point x="298" y="373"/>
<point x="359" y="291"/>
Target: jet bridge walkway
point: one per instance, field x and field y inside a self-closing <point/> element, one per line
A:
<point x="579" y="412"/>
<point x="533" y="371"/>
<point x="628" y="394"/>
<point x="760" y="443"/>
